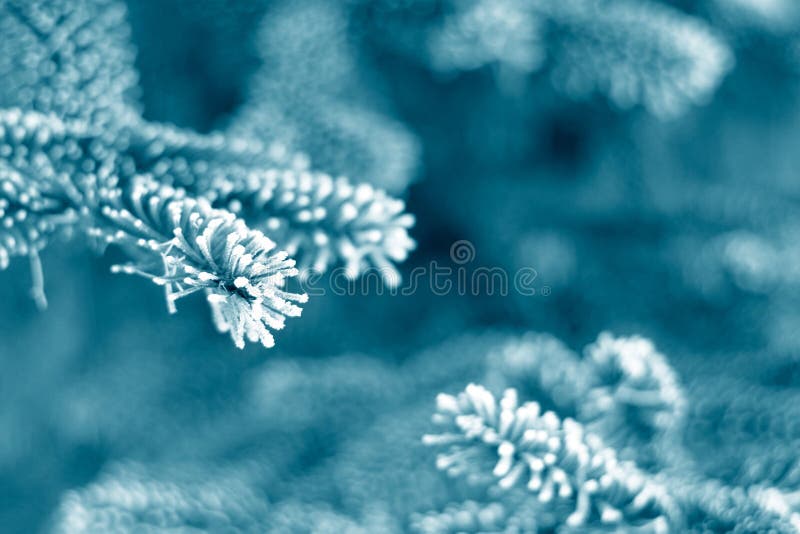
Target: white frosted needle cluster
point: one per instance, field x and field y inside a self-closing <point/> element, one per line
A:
<point x="499" y="31"/>
<point x="69" y="57"/>
<point x="44" y="174"/>
<point x="198" y="248"/>
<point x="130" y="497"/>
<point x="556" y="459"/>
<point x="633" y="51"/>
<point x="33" y="200"/>
<point x="319" y="220"/>
<point x="634" y="379"/>
<point x="324" y="221"/>
<point x="472" y="516"/>
<point x="636" y="52"/>
<point x="27" y="217"/>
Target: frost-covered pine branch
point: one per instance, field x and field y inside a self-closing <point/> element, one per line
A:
<point x="186" y="246"/>
<point x="320" y="220"/>
<point x="635" y="52"/>
<point x="57" y="176"/>
<point x="76" y="154"/>
<point x="555" y="459"/>
<point x="622" y="389"/>
<point x="131" y="497"/>
<point x="576" y="480"/>
<point x="311" y="94"/>
<point x="473" y="516"/>
<point x="632" y="389"/>
<point x="72" y="58"/>
<point x="357" y="226"/>
<point x="54" y="173"/>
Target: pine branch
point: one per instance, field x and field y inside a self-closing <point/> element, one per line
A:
<point x="623" y="390"/>
<point x="78" y="68"/>
<point x="633" y="390"/>
<point x="72" y="58"/>
<point x="579" y="483"/>
<point x="130" y="497"/>
<point x="473" y="516"/>
<point x="56" y="176"/>
<point x="311" y="94"/>
<point x="321" y="221"/>
<point x="186" y="246"/>
<point x="557" y="460"/>
<point x="635" y="52"/>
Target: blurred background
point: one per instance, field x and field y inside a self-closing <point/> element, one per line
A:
<point x="640" y="156"/>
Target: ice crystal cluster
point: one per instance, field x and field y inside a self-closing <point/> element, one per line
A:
<point x="545" y="252"/>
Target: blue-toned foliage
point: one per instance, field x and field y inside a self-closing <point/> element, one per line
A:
<point x="311" y="94"/>
<point x="633" y="51"/>
<point x="577" y="481"/>
<point x="573" y="167"/>
<point x="70" y="58"/>
<point x="94" y="164"/>
<point x="518" y="466"/>
<point x="556" y="460"/>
